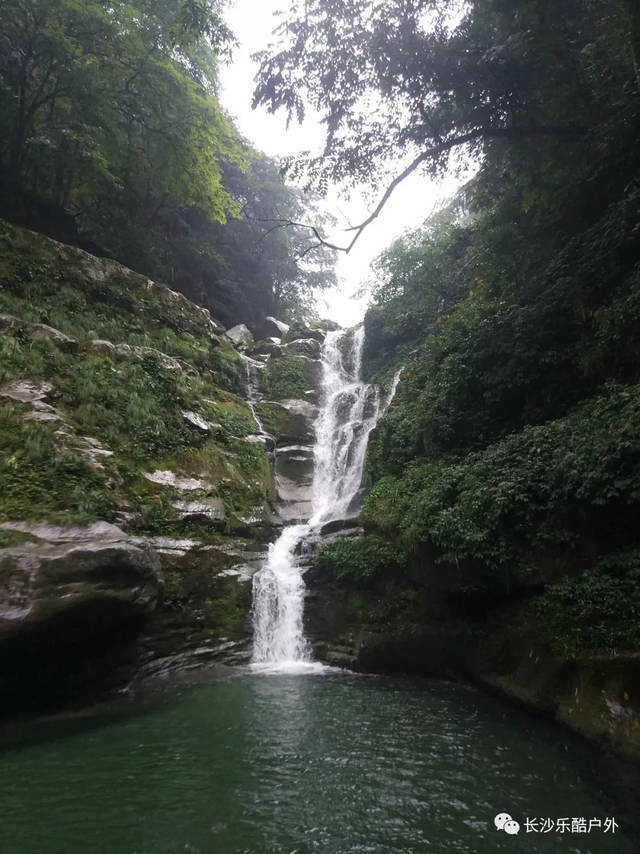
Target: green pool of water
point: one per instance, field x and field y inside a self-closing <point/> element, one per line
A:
<point x="331" y="762"/>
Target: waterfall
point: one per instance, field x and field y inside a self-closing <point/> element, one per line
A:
<point x="253" y="395"/>
<point x="349" y="410"/>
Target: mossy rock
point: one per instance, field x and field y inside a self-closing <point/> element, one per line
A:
<point x="286" y="425"/>
<point x="289" y="377"/>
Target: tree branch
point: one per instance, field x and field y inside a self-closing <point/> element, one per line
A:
<point x="567" y="132"/>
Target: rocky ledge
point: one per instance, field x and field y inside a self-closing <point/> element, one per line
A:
<point x="71" y="601"/>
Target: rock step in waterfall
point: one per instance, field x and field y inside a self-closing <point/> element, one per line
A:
<point x="349" y="410"/>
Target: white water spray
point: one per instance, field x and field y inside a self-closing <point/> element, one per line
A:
<point x="349" y="410"/>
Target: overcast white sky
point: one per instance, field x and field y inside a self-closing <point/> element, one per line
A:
<point x="415" y="199"/>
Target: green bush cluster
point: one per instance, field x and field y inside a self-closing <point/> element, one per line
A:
<point x="359" y="560"/>
<point x="596" y="612"/>
<point x="545" y="491"/>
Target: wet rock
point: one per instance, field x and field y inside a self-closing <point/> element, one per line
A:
<point x="240" y="336"/>
<point x="309" y="347"/>
<point x="202" y="512"/>
<point x="337" y="525"/>
<point x="300" y="407"/>
<point x="293" y="497"/>
<point x="179" y="482"/>
<point x="290" y="422"/>
<point x="294" y="464"/>
<point x="40" y="584"/>
<point x="70" y="611"/>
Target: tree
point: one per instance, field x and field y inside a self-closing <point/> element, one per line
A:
<point x="111" y="103"/>
<point x="425" y="81"/>
<point x="113" y="138"/>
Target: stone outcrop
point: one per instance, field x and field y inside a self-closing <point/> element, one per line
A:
<point x="142" y="419"/>
<point x="309" y="347"/>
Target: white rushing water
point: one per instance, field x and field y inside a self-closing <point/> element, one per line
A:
<point x="349" y="410"/>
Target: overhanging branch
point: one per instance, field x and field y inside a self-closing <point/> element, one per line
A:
<point x="566" y="132"/>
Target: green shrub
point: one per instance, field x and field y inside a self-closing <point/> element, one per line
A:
<point x="287" y="377"/>
<point x="596" y="612"/>
<point x="537" y="492"/>
<point x="358" y="560"/>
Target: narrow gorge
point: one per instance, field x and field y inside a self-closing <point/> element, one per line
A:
<point x="319" y="426"/>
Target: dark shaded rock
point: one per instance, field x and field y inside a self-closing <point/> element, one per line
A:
<point x="317" y="329"/>
<point x="265" y="347"/>
<point x="70" y="610"/>
<point x="290" y="422"/>
<point x="309" y="347"/>
<point x="271" y="327"/>
<point x="337" y="525"/>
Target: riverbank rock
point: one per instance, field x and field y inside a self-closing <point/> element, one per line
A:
<point x="123" y="401"/>
<point x="392" y="626"/>
<point x="70" y="608"/>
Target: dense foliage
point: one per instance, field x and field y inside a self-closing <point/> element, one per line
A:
<point x="597" y="611"/>
<point x="112" y="137"/>
<point x="358" y="560"/>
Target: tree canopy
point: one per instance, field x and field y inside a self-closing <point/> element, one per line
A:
<point x="419" y="81"/>
<point x="113" y="137"/>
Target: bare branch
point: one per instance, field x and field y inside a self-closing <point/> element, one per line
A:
<point x="569" y="132"/>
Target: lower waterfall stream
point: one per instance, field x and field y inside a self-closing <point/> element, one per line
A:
<point x="349" y="410"/>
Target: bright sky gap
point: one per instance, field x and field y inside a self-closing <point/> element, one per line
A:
<point x="413" y="201"/>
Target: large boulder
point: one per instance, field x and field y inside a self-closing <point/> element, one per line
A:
<point x="240" y="336"/>
<point x="290" y="422"/>
<point x="94" y="579"/>
<point x="271" y="327"/>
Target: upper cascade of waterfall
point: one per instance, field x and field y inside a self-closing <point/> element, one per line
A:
<point x="349" y="410"/>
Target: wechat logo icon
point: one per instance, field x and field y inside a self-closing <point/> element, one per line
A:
<point x="503" y="821"/>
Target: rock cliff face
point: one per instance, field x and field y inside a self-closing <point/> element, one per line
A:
<point x="143" y="470"/>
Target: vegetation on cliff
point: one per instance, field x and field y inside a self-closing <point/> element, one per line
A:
<point x="98" y="366"/>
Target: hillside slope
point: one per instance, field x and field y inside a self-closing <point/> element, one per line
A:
<point x="131" y="482"/>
